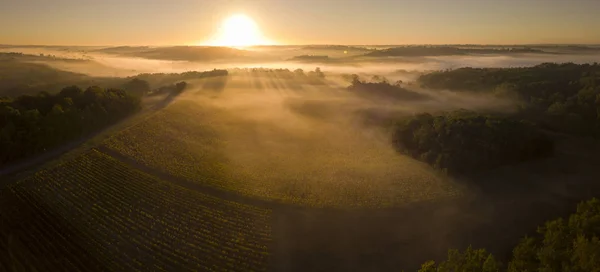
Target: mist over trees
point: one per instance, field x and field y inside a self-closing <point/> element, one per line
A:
<point x="380" y="88"/>
<point x="462" y="142"/>
<point x="185" y="53"/>
<point x="19" y="77"/>
<point x="20" y="74"/>
<point x="313" y="77"/>
<point x="562" y="97"/>
<point x="156" y="80"/>
<point x="311" y="58"/>
<point x="421" y="51"/>
<point x="137" y="87"/>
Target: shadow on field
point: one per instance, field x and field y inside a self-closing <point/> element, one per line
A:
<point x="34" y="236"/>
<point x="215" y="85"/>
<point x="290" y="83"/>
<point x="166" y="101"/>
<point x="315" y="108"/>
<point x="369" y="240"/>
<point x="506" y="205"/>
<point x="257" y="82"/>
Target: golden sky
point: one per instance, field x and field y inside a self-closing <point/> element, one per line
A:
<point x="176" y="22"/>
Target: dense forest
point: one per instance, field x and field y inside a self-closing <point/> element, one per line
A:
<point x="34" y="124"/>
<point x="562" y="97"/>
<point x="570" y="244"/>
<point x="462" y="141"/>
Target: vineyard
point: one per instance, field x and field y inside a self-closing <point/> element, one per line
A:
<point x="120" y="219"/>
<point x="226" y="147"/>
<point x="178" y="141"/>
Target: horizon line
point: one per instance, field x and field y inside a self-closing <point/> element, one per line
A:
<point x="313" y="44"/>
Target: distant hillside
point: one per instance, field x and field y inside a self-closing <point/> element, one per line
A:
<point x="190" y="53"/>
<point x="123" y="49"/>
<point x="335" y="47"/>
<point x="311" y="58"/>
<point x="18" y="76"/>
<point x="422" y="51"/>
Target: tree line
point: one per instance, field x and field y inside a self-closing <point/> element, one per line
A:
<point x="156" y="80"/>
<point x="564" y="244"/>
<point x="561" y="97"/>
<point x="461" y="142"/>
<point x="172" y="89"/>
<point x="33" y="124"/>
<point x="420" y="51"/>
<point x="280" y="72"/>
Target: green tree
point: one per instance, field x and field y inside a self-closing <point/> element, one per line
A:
<point x="137" y="87"/>
<point x="468" y="261"/>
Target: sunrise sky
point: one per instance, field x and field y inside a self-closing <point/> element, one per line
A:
<point x="177" y="22"/>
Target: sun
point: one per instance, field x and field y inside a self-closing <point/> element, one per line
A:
<point x="238" y="31"/>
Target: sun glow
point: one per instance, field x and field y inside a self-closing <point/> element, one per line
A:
<point x="238" y="31"/>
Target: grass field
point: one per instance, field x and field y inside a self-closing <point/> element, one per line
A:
<point x="96" y="214"/>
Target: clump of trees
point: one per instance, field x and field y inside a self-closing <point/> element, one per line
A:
<point x="570" y="244"/>
<point x="381" y="88"/>
<point x="561" y="97"/>
<point x="137" y="87"/>
<point x="33" y="124"/>
<point x="470" y="260"/>
<point x="315" y="77"/>
<point x="316" y="74"/>
<point x="462" y="142"/>
<point x="173" y="89"/>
